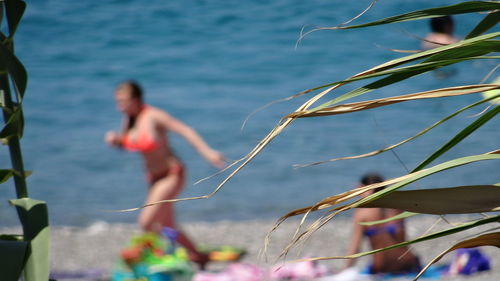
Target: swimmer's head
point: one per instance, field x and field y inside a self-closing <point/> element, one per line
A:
<point x="129" y="97"/>
<point x="372" y="178"/>
<point x="442" y="25"/>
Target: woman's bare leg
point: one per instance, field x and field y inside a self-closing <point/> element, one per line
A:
<point x="154" y="218"/>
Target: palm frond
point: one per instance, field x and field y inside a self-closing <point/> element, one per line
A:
<point x="489" y="239"/>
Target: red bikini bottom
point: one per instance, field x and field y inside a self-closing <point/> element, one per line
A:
<point x="176" y="169"/>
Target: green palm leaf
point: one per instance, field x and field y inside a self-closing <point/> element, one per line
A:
<point x="441" y="201"/>
<point x="461" y="8"/>
<point x="489" y="239"/>
<point x="460" y="136"/>
<point x="489" y="21"/>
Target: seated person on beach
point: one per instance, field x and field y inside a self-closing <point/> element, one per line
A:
<point x="442" y="33"/>
<point x="145" y="130"/>
<point x="398" y="260"/>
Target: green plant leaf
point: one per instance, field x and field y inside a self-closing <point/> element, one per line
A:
<point x="481" y="48"/>
<point x="461" y="8"/>
<point x="441" y="201"/>
<point x="487" y="23"/>
<point x="14" y="10"/>
<point x="34" y="218"/>
<point x="2" y="100"/>
<point x="489" y="239"/>
<point x="483" y="119"/>
<point x="13" y="127"/>
<point x="2" y="9"/>
<point x="11" y="237"/>
<point x="12" y="259"/>
<point x="21" y="122"/>
<point x="5" y="175"/>
<point x="15" y="69"/>
<point x="38" y="265"/>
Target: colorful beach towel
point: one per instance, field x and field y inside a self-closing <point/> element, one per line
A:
<point x="234" y="272"/>
<point x="435" y="272"/>
<point x="294" y="271"/>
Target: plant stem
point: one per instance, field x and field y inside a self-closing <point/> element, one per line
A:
<point x="13" y="142"/>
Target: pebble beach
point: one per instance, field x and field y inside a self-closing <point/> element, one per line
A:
<point x="95" y="248"/>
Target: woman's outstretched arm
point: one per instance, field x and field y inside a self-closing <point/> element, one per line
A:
<point x="214" y="157"/>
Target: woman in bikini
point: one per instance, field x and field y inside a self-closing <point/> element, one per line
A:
<point x="144" y="130"/>
<point x="398" y="260"/>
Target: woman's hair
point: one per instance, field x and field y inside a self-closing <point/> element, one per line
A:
<point x="442" y="24"/>
<point x="136" y="93"/>
<point x="134" y="88"/>
<point x="372" y="178"/>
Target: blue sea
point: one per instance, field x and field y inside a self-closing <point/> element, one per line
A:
<point x="211" y="64"/>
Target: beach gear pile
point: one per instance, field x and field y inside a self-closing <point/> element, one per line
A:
<point x="153" y="257"/>
<point x="468" y="261"/>
<point x="465" y="262"/>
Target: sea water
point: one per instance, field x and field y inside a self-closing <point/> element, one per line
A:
<point x="212" y="64"/>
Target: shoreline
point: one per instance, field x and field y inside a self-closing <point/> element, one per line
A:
<point x="96" y="247"/>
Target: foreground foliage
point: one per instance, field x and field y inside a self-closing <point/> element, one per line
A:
<point x="25" y="254"/>
<point x="479" y="44"/>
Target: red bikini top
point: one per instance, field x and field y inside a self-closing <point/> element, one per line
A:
<point x="143" y="143"/>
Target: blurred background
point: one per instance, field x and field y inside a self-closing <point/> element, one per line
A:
<point x="211" y="64"/>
